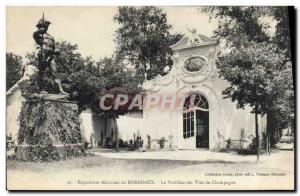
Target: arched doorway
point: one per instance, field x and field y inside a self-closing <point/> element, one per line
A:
<point x="196" y="120"/>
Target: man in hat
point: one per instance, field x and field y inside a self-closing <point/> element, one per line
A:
<point x="47" y="52"/>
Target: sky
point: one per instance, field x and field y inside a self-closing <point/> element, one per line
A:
<point x="91" y="28"/>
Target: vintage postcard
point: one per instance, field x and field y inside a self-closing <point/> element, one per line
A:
<point x="150" y="98"/>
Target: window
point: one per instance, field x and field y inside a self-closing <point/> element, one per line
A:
<point x="188" y="124"/>
<point x="196" y="100"/>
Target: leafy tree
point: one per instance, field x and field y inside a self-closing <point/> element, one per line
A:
<point x="13" y="69"/>
<point x="254" y="82"/>
<point x="77" y="74"/>
<point x="87" y="80"/>
<point x="144" y="39"/>
<point x="282" y="35"/>
<point x="256" y="64"/>
<point x="118" y="80"/>
<point x="282" y="38"/>
<point x="238" y="24"/>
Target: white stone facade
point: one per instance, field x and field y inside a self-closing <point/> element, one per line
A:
<point x="225" y="120"/>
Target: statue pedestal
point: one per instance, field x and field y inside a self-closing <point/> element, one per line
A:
<point x="49" y="130"/>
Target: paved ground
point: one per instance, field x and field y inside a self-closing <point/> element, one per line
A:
<point x="176" y="169"/>
<point x="200" y="155"/>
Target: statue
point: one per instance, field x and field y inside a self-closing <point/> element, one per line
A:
<point x="47" y="53"/>
<point x="49" y="123"/>
<point x="193" y="37"/>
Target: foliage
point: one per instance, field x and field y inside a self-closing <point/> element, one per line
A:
<point x="10" y="142"/>
<point x="161" y="142"/>
<point x="250" y="71"/>
<point x="252" y="148"/>
<point x="117" y="80"/>
<point x="47" y="153"/>
<point x="44" y="124"/>
<point x="28" y="88"/>
<point x="41" y="118"/>
<point x="13" y="69"/>
<point x="84" y="78"/>
<point x="282" y="34"/>
<point x="77" y="74"/>
<point x="257" y="62"/>
<point x="144" y="39"/>
<point x="238" y="24"/>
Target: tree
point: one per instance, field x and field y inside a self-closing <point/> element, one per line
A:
<point x="13" y="69"/>
<point x="87" y="80"/>
<point x="79" y="76"/>
<point x="256" y="64"/>
<point x="144" y="40"/>
<point x="282" y="35"/>
<point x="282" y="38"/>
<point x="118" y="80"/>
<point x="258" y="78"/>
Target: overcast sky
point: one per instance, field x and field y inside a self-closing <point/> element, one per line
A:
<point x="92" y="28"/>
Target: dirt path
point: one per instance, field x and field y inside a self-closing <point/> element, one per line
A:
<point x="100" y="172"/>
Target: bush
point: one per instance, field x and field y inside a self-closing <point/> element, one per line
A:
<point x="161" y="142"/>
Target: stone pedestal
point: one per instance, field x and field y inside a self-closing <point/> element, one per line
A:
<point x="49" y="130"/>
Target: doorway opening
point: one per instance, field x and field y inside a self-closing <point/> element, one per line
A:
<point x="202" y="135"/>
<point x="196" y="120"/>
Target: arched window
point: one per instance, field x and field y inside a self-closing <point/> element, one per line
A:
<point x="196" y="101"/>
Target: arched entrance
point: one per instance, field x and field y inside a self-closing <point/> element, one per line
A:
<point x="196" y="120"/>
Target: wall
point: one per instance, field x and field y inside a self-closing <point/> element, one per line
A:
<point x="93" y="127"/>
<point x="225" y="120"/>
<point x="131" y="124"/>
<point x="13" y="108"/>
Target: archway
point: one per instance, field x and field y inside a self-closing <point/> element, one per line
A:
<point x="196" y="120"/>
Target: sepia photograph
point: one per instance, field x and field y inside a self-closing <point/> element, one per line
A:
<point x="187" y="98"/>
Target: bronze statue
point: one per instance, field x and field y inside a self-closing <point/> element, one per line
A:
<point x="47" y="52"/>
